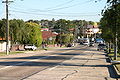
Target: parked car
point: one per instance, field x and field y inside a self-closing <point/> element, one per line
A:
<point x="101" y="47"/>
<point x="69" y="45"/>
<point x="91" y="44"/>
<point x="30" y="47"/>
<point x="86" y="43"/>
<point x="99" y="40"/>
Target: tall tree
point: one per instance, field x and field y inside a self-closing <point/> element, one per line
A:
<point x="2" y="28"/>
<point x="34" y="35"/>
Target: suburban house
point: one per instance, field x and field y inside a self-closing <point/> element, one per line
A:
<point x="3" y="44"/>
<point x="12" y="47"/>
<point x="92" y="30"/>
<point x="47" y="34"/>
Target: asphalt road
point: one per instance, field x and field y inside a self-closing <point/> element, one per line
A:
<point x="78" y="63"/>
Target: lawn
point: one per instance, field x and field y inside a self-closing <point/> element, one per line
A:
<point x="14" y="52"/>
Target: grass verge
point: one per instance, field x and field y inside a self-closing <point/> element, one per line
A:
<point x="111" y="55"/>
<point x="13" y="52"/>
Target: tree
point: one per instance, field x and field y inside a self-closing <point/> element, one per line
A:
<point x="110" y="23"/>
<point x="34" y="21"/>
<point x="34" y="35"/>
<point x="113" y="1"/>
<point x="65" y="38"/>
<point x="17" y="30"/>
<point x="3" y="28"/>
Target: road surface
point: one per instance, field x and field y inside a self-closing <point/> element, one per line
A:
<point x="77" y="63"/>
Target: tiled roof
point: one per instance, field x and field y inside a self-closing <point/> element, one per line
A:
<point x="2" y="38"/>
<point x="47" y="34"/>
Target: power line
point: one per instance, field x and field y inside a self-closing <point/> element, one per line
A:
<point x="70" y="5"/>
<point x="61" y="4"/>
<point x="51" y="14"/>
<point x="60" y="8"/>
<point x="14" y="9"/>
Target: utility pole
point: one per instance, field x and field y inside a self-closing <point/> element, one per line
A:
<point x="116" y="48"/>
<point x="60" y="36"/>
<point x="7" y="26"/>
<point x="116" y="34"/>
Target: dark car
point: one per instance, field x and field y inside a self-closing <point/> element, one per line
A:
<point x="91" y="44"/>
<point x="101" y="47"/>
<point x="69" y="45"/>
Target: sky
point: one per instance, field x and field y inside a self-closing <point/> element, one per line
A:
<point x="89" y="10"/>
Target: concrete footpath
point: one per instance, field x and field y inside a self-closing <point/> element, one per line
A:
<point x="92" y="66"/>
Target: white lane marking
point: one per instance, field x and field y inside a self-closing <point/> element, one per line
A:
<point x="24" y="62"/>
<point x="68" y="51"/>
<point x="5" y="67"/>
<point x="33" y="60"/>
<point x="50" y="69"/>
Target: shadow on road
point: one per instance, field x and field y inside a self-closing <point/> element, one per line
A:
<point x="112" y="72"/>
<point x="57" y="60"/>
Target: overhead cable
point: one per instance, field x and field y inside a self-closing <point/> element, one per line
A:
<point x="51" y="14"/>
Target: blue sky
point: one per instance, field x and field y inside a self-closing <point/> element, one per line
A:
<point x="58" y="9"/>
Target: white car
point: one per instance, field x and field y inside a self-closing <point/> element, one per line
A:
<point x="86" y="43"/>
<point x="30" y="47"/>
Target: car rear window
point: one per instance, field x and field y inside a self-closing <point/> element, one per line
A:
<point x="101" y="45"/>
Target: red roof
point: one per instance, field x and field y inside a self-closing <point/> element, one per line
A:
<point x="2" y="38"/>
<point x="47" y="34"/>
<point x="72" y="29"/>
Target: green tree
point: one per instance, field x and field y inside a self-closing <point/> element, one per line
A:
<point x="17" y="30"/>
<point x="2" y="28"/>
<point x="110" y="23"/>
<point x="113" y="1"/>
<point x="34" y="35"/>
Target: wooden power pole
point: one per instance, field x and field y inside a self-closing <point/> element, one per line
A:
<point x="7" y="26"/>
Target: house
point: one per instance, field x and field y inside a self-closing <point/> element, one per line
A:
<point x="92" y="30"/>
<point x="44" y="29"/>
<point x="48" y="35"/>
<point x="3" y="45"/>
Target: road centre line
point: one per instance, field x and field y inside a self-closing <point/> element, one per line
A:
<point x="50" y="69"/>
<point x="63" y="61"/>
<point x="59" y="64"/>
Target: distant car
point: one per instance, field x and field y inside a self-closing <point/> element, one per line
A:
<point x="30" y="47"/>
<point x="101" y="47"/>
<point x="86" y="43"/>
<point x="99" y="41"/>
<point x="81" y="43"/>
<point x="91" y="44"/>
<point x="69" y="45"/>
<point x="73" y="44"/>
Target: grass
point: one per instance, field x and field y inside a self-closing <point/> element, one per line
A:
<point x="118" y="67"/>
<point x="112" y="56"/>
<point x="13" y="52"/>
<point x="39" y="49"/>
